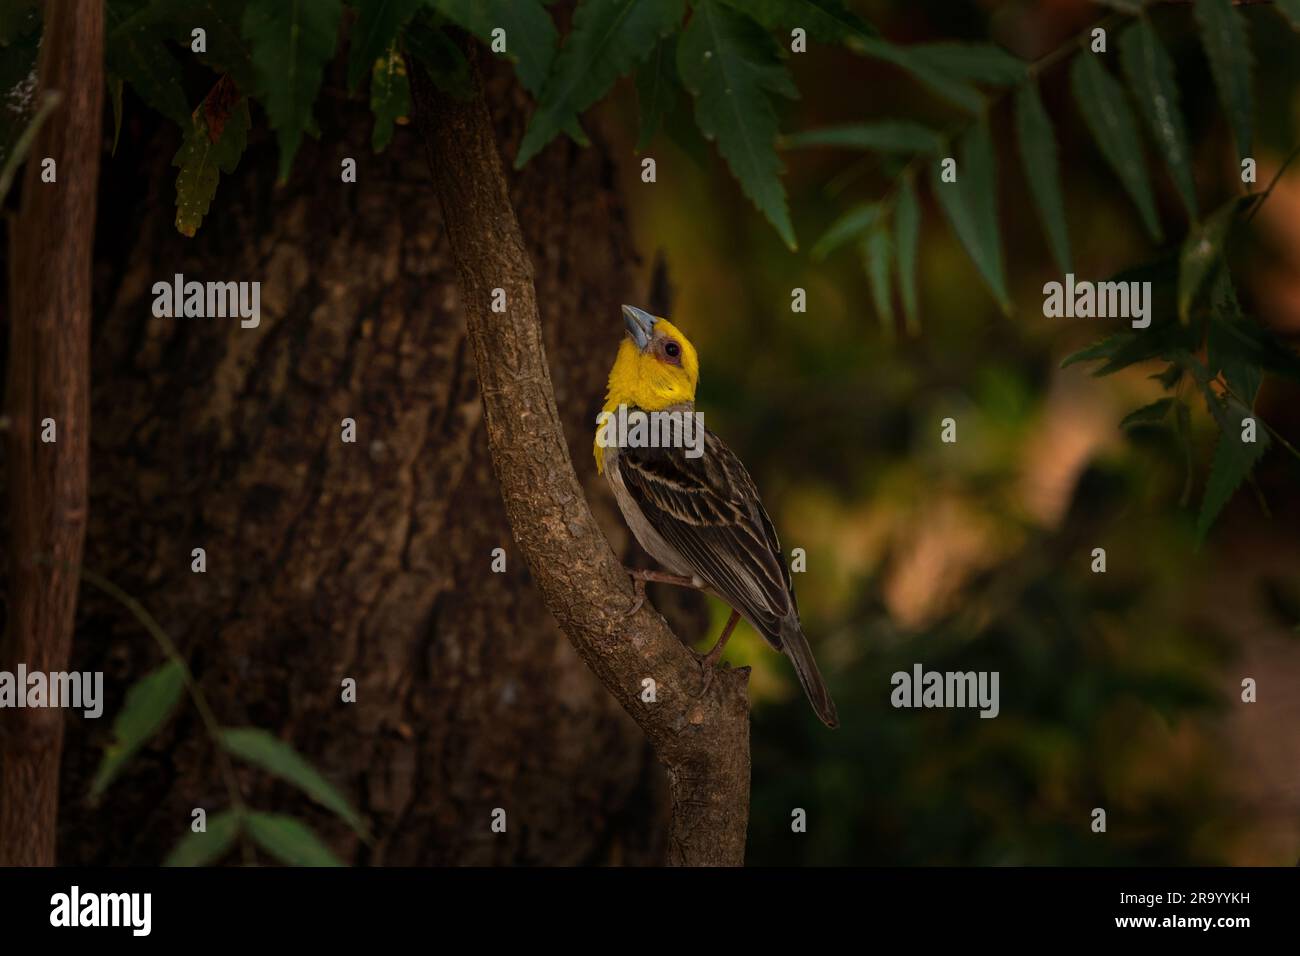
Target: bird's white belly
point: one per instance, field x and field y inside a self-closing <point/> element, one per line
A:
<point x="645" y="534"/>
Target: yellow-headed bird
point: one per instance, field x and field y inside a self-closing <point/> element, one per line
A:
<point x="690" y="502"/>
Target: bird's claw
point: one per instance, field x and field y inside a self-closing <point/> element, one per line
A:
<point x="638" y="591"/>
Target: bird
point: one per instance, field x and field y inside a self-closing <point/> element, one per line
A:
<point x="692" y="505"/>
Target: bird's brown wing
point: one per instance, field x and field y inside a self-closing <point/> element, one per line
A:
<point x="708" y="509"/>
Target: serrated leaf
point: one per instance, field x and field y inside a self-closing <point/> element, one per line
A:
<point x="289" y="841"/>
<point x="439" y="54"/>
<point x="1039" y="155"/>
<point x="135" y="50"/>
<point x="877" y="256"/>
<point x="976" y="62"/>
<point x="149" y="702"/>
<point x="826" y="21"/>
<point x="1291" y="10"/>
<point x="1229" y="343"/>
<point x="275" y="756"/>
<point x="1106" y="111"/>
<point x="1152" y="414"/>
<point x="209" y="846"/>
<point x="937" y="81"/>
<point x="1233" y="461"/>
<point x="373" y="33"/>
<point x="202" y="161"/>
<point x="1150" y="73"/>
<point x="732" y="67"/>
<point x="907" y="235"/>
<point x="1223" y="34"/>
<point x="1183" y="430"/>
<point x="531" y="37"/>
<point x="390" y="97"/>
<point x="883" y="136"/>
<point x="1102" y="349"/>
<point x="291" y="40"/>
<point x="850" y="226"/>
<point x="226" y="49"/>
<point x="971" y="205"/>
<point x="608" y="39"/>
<point x="657" y="88"/>
<point x="1201" y="252"/>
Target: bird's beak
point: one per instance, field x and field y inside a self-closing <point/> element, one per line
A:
<point x="640" y="325"/>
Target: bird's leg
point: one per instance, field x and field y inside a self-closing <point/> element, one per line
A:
<point x="639" y="578"/>
<point x="710" y="660"/>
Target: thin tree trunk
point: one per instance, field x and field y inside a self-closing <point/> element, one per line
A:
<point x="702" y="741"/>
<point x="51" y="245"/>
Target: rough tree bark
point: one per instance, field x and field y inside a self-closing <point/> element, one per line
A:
<point x="324" y="559"/>
<point x="50" y="244"/>
<point x="702" y="740"/>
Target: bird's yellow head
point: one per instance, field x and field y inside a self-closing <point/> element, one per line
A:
<point x="656" y="367"/>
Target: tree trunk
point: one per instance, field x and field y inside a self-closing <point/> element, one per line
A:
<point x="47" y="398"/>
<point x="329" y="560"/>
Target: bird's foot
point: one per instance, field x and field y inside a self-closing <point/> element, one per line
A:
<point x="709" y="662"/>
<point x="640" y="577"/>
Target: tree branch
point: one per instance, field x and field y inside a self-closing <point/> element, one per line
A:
<point x="50" y="246"/>
<point x="703" y="742"/>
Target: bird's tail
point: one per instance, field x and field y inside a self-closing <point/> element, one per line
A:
<point x="795" y="646"/>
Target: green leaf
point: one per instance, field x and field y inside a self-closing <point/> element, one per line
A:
<point x="609" y="38"/>
<point x="657" y="88"/>
<point x="971" y="205"/>
<point x="1102" y="349"/>
<point x="390" y="96"/>
<point x="1223" y="33"/>
<point x="135" y="50"/>
<point x="1201" y="251"/>
<point x="1233" y="461"/>
<point x="1183" y="429"/>
<point x="731" y="66"/>
<point x="1152" y="414"/>
<point x="531" y="38"/>
<point x="373" y="33"/>
<point x="438" y="53"/>
<point x="826" y="21"/>
<point x="937" y="81"/>
<point x="227" y="50"/>
<point x="1107" y="113"/>
<point x="907" y="234"/>
<point x="877" y="256"/>
<point x="1150" y="73"/>
<point x="200" y="849"/>
<point x="149" y="702"/>
<point x="975" y="62"/>
<point x="202" y="161"/>
<point x="275" y="756"/>
<point x="1291" y="10"/>
<point x="849" y="227"/>
<point x="1039" y="155"/>
<point x="291" y="40"/>
<point x="883" y="136"/>
<point x="1230" y="346"/>
<point x="289" y="841"/>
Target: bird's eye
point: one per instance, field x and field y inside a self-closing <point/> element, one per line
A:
<point x="672" y="350"/>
